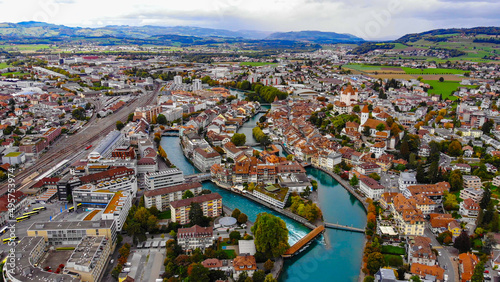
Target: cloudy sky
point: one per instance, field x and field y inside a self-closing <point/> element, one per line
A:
<point x="370" y="19"/>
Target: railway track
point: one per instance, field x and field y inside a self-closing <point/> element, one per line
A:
<point x="72" y="145"/>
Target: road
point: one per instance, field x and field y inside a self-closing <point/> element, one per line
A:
<point x="390" y="182"/>
<point x="445" y="259"/>
<point x="445" y="160"/>
<point x="66" y="148"/>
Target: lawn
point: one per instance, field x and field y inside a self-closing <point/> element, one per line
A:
<point x="17" y="73"/>
<point x="393" y="260"/>
<point x="393" y="250"/>
<point x="432" y="71"/>
<point x="165" y="214"/>
<point x="25" y="47"/>
<point x="446" y="88"/>
<point x="3" y="65"/>
<point x="256" y="64"/>
<point x="231" y="253"/>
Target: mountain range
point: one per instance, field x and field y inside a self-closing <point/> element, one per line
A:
<point x="39" y="30"/>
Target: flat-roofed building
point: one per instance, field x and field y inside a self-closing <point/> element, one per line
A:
<point x="472" y="181"/>
<point x="89" y="258"/>
<point x="164" y="178"/>
<point x="471" y="193"/>
<point x="162" y="197"/>
<point x="205" y="158"/>
<point x="71" y="232"/>
<point x="211" y="204"/>
<point x="28" y="253"/>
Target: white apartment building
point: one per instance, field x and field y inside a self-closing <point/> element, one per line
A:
<point x="164" y="178"/>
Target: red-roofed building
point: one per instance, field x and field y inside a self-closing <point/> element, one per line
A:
<point x="195" y="237"/>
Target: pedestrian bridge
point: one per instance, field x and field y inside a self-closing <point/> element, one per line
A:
<point x="343" y="227"/>
<point x="199" y="177"/>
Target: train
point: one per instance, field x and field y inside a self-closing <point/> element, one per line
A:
<point x="88" y="147"/>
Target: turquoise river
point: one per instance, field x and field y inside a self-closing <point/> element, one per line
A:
<point x="340" y="260"/>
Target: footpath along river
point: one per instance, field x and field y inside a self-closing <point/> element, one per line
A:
<point x="341" y="261"/>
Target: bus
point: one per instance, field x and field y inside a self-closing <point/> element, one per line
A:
<point x="3" y="230"/>
<point x="79" y="204"/>
<point x="19" y="219"/>
<point x="30" y="213"/>
<point x="72" y="208"/>
<point x="7" y="240"/>
<point x="39" y="209"/>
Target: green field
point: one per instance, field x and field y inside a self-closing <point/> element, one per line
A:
<point x="256" y="64"/>
<point x="25" y="47"/>
<point x="393" y="250"/>
<point x="17" y="73"/>
<point x="445" y="88"/>
<point x="165" y="215"/>
<point x="432" y="71"/>
<point x="3" y="65"/>
<point x="393" y="260"/>
<point x="363" y="67"/>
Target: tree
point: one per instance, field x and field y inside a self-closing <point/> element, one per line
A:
<point x="236" y="213"/>
<point x="234" y="236"/>
<point x="380" y="127"/>
<point x="369" y="279"/>
<point x="270" y="278"/>
<point x="366" y="131"/>
<point x="271" y="235"/>
<point x="130" y="117"/>
<point x="405" y="149"/>
<point x="487" y="126"/>
<point x="354" y="180"/>
<point x="374" y="262"/>
<point x="119" y="125"/>
<point x="239" y="139"/>
<point x="356" y="109"/>
<point x="259" y="276"/>
<point x="198" y="273"/>
<point x="455" y="149"/>
<point x="215" y="275"/>
<point x="456" y="181"/>
<point x="441" y="79"/>
<point x="478" y="274"/>
<point x="375" y="176"/>
<point x="242" y="218"/>
<point x="462" y="243"/>
<point x="486" y="198"/>
<point x="265" y="141"/>
<point x="415" y="278"/>
<point x="187" y="194"/>
<point x="196" y="214"/>
<point x="268" y="265"/>
<point x="161" y="119"/>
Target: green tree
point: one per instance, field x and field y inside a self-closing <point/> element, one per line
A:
<point x="369" y="279"/>
<point x="242" y="218"/>
<point x="259" y="276"/>
<point x="130" y="117"/>
<point x="374" y="262"/>
<point x="236" y="213"/>
<point x="161" y="119"/>
<point x="268" y="265"/>
<point x="366" y="131"/>
<point x="196" y="214"/>
<point x="119" y="125"/>
<point x="356" y="109"/>
<point x="380" y="127"/>
<point x="239" y="139"/>
<point x="235" y="236"/>
<point x="375" y="176"/>
<point x="198" y="273"/>
<point x="405" y="149"/>
<point x="462" y="242"/>
<point x="415" y="278"/>
<point x="271" y="235"/>
<point x="270" y="278"/>
<point x="478" y="274"/>
<point x="354" y="180"/>
<point x="187" y="194"/>
<point x="456" y="181"/>
<point x="441" y="79"/>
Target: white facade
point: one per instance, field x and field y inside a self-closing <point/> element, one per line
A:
<point x="165" y="178"/>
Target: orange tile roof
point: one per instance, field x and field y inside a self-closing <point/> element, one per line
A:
<point x="422" y="270"/>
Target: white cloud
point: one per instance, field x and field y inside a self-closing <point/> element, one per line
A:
<point x="370" y="19"/>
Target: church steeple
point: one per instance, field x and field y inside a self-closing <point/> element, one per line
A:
<point x="365" y="114"/>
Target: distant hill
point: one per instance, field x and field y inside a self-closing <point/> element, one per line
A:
<point x="443" y="33"/>
<point x="45" y="30"/>
<point x="319" y="37"/>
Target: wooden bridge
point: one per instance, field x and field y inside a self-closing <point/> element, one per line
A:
<point x="303" y="243"/>
<point x="343" y="227"/>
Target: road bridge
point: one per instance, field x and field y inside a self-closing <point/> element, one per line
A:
<point x="343" y="227"/>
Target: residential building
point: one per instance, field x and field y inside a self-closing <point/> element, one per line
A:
<point x="409" y="220"/>
<point x="385" y="275"/>
<point x="378" y="149"/>
<point x="406" y="179"/>
<point x="371" y="188"/>
<point x="472" y="182"/>
<point x="273" y="194"/>
<point x="469" y="210"/>
<point x="435" y="192"/>
<point x="474" y="194"/>
<point x="161" y="197"/>
<point x="423" y="270"/>
<point x="211" y="204"/>
<point x="466" y="264"/>
<point x="203" y="159"/>
<point x="496" y="181"/>
<point x="164" y="178"/>
<point x="195" y="237"/>
<point x="16" y="201"/>
<point x="464" y="168"/>
<point x="455" y="228"/>
<point x="244" y="264"/>
<point x="419" y="250"/>
<point x="368" y="168"/>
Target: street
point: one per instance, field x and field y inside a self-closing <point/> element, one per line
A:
<point x="445" y="259"/>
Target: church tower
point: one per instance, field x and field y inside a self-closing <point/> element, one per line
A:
<point x="365" y="114"/>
